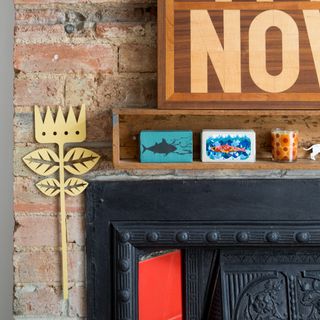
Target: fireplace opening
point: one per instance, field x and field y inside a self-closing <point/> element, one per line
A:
<point x="160" y="288"/>
<point x="203" y="250"/>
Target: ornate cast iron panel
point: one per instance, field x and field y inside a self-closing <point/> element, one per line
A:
<point x="271" y="284"/>
<point x="198" y="216"/>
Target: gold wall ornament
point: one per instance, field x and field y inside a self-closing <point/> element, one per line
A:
<point x="46" y="162"/>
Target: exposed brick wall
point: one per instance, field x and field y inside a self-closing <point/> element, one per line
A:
<point x="67" y="52"/>
<point x="70" y="52"/>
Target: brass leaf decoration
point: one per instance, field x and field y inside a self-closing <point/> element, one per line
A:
<point x="79" y="161"/>
<point x="74" y="186"/>
<point x="50" y="187"/>
<point x="61" y="130"/>
<point x="44" y="162"/>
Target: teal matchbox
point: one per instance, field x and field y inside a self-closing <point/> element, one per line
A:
<point x="166" y="146"/>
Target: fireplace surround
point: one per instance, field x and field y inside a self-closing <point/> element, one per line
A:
<point x="257" y="239"/>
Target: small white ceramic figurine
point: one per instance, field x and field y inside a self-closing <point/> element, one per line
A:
<point x="315" y="151"/>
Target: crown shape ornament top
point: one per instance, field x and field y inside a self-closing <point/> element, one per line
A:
<point x="60" y="130"/>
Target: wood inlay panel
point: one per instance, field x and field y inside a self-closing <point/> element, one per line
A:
<point x="246" y="55"/>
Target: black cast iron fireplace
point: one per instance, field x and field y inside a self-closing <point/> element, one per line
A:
<point x="250" y="247"/>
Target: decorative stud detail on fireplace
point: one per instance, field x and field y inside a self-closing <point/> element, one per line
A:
<point x="124" y="265"/>
<point x="273" y="236"/>
<point x="152" y="236"/>
<point x="213" y="236"/>
<point x="242" y="236"/>
<point x="182" y="236"/>
<point x="124" y="295"/>
<point x="227" y="235"/>
<point x="303" y="237"/>
<point x="124" y="237"/>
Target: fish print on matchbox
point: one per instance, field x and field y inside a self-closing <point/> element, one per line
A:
<point x="166" y="146"/>
<point x="228" y="146"/>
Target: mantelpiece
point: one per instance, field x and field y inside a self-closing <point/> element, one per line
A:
<point x="127" y="124"/>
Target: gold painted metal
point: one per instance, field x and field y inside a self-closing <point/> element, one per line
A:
<point x="76" y="161"/>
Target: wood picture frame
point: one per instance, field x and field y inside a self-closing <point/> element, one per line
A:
<point x="291" y="59"/>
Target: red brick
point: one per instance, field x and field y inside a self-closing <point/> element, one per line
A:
<point x="31" y="91"/>
<point x="44" y="1"/>
<point x="40" y="33"/>
<point x="38" y="231"/>
<point x="37" y="300"/>
<point x="41" y="16"/>
<point x="99" y="126"/>
<point x="54" y="1"/>
<point x="80" y="90"/>
<point x="143" y="11"/>
<point x="124" y="91"/>
<point x="77" y="302"/>
<point x="23" y="127"/>
<point x="128" y="32"/>
<point x="76" y="230"/>
<point x="81" y="1"/>
<point x="45" y="267"/>
<point x="120" y="32"/>
<point x="120" y="29"/>
<point x="59" y="58"/>
<point x="137" y="58"/>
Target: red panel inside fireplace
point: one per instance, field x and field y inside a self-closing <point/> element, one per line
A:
<point x="160" y="287"/>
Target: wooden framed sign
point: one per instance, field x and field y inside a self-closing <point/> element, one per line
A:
<point x="226" y="54"/>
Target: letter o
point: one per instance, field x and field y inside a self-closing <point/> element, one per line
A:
<point x="290" y="51"/>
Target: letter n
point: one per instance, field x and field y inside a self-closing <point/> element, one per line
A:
<point x="205" y="43"/>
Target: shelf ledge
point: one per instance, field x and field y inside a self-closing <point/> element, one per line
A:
<point x="260" y="164"/>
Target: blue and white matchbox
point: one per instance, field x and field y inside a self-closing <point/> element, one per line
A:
<point x="228" y="146"/>
<point x="166" y="146"/>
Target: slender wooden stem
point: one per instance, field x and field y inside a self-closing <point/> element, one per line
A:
<point x="63" y="223"/>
